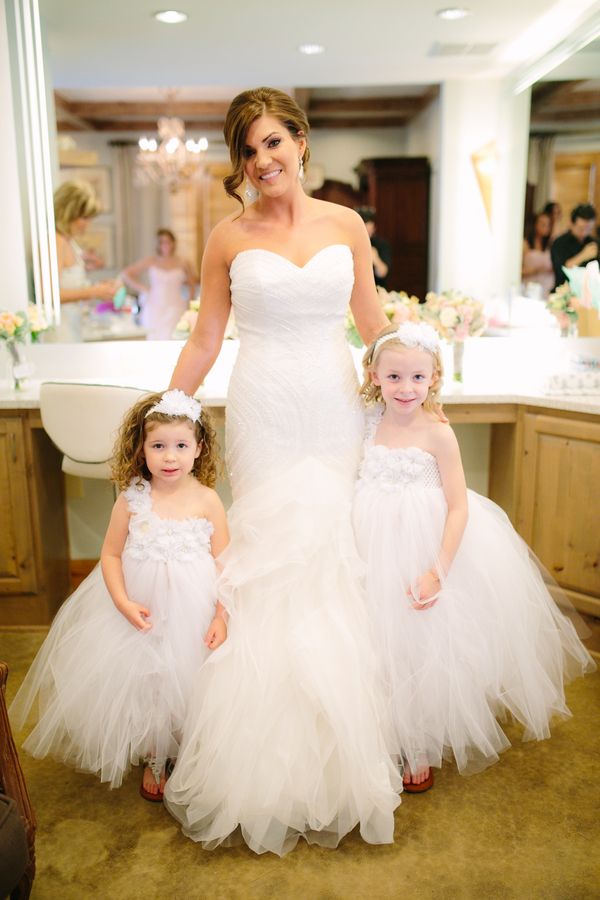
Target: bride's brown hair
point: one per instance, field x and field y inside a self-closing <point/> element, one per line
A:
<point x="128" y="464"/>
<point x="243" y="111"/>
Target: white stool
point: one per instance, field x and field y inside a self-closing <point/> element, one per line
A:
<point x="83" y="420"/>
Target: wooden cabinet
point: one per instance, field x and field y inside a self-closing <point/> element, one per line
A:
<point x="559" y="500"/>
<point x="17" y="568"/>
<point x="34" y="558"/>
<point x="398" y="188"/>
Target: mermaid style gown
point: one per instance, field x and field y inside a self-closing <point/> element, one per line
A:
<point x="284" y="736"/>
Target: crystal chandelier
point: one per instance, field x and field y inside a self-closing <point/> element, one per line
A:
<point x="172" y="160"/>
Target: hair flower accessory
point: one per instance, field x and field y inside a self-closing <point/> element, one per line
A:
<point x="412" y="334"/>
<point x="177" y="403"/>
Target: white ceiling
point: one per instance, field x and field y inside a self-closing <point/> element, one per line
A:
<point x="229" y="44"/>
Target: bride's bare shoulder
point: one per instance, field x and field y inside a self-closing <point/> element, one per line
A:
<point x="225" y="236"/>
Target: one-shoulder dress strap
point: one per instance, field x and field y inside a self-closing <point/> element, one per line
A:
<point x="138" y="496"/>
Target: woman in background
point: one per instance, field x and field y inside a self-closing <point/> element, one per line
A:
<point x="163" y="302"/>
<point x="537" y="265"/>
<point x="75" y="205"/>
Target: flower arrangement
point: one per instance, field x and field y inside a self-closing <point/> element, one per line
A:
<point x="398" y="307"/>
<point x="563" y="304"/>
<point x="37" y="322"/>
<point x="455" y="316"/>
<point x="187" y="322"/>
<point x="13" y="326"/>
<point x="14" y="330"/>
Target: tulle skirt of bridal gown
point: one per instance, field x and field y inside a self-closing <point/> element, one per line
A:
<point x="105" y="695"/>
<point x="285" y="732"/>
<point x="494" y="646"/>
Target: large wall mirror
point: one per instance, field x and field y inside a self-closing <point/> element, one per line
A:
<point x="87" y="114"/>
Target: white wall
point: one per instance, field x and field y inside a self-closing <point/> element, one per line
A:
<point x="480" y="257"/>
<point x="340" y="151"/>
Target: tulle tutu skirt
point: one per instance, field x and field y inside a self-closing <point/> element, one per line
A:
<point x="105" y="695"/>
<point x="285" y="735"/>
<point x="495" y="644"/>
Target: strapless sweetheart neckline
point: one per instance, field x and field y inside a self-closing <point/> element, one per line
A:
<point x="285" y="258"/>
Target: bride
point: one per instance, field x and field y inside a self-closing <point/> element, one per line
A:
<point x="284" y="736"/>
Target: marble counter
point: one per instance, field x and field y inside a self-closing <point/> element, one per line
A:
<point x="497" y="371"/>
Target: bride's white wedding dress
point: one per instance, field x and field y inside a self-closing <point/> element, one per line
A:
<point x="284" y="735"/>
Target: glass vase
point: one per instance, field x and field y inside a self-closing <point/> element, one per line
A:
<point x="569" y="329"/>
<point x="458" y="355"/>
<point x="15" y="363"/>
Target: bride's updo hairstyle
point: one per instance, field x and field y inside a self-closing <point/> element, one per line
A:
<point x="371" y="392"/>
<point x="244" y="110"/>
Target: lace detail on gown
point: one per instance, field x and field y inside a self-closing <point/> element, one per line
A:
<point x="151" y="537"/>
<point x="391" y="469"/>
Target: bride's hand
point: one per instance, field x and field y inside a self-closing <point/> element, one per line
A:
<point x="441" y="414"/>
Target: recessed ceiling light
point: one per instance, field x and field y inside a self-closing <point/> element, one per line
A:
<point x="170" y="16"/>
<point x="451" y="13"/>
<point x="311" y="49"/>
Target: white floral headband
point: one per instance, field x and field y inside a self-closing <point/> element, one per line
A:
<point x="177" y="403"/>
<point x="411" y="334"/>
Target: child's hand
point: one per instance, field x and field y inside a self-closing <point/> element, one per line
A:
<point x="428" y="587"/>
<point x="137" y="614"/>
<point x="216" y="634"/>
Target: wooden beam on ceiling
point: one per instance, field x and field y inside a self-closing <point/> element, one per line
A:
<point x="66" y="113"/>
<point x="147" y="126"/>
<point x="112" y="109"/>
<point x="357" y="122"/>
<point x="403" y="105"/>
<point x="302" y="98"/>
<point x="565" y="115"/>
<point x="549" y="93"/>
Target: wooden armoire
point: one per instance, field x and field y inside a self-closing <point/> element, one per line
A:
<point x="398" y="189"/>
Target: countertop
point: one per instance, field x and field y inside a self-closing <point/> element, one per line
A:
<point x="496" y="370"/>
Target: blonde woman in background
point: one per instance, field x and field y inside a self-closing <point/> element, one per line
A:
<point x="74" y="205"/>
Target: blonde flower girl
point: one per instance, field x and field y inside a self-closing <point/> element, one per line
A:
<point x="467" y="630"/>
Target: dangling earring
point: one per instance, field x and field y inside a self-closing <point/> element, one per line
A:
<point x="250" y="192"/>
<point x="300" y="169"/>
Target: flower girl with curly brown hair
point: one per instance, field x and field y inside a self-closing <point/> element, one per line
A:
<point x="113" y="677"/>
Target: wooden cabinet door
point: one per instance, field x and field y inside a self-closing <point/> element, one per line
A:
<point x="17" y="560"/>
<point x="559" y="514"/>
<point x="575" y="180"/>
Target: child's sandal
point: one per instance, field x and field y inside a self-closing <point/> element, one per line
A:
<point x="411" y="788"/>
<point x="157" y="772"/>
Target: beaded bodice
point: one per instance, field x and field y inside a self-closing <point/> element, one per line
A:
<point x="151" y="537"/>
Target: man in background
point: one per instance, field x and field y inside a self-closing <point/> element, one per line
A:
<point x="380" y="249"/>
<point x="577" y="246"/>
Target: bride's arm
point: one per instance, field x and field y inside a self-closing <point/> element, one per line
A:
<point x="365" y="305"/>
<point x="204" y="343"/>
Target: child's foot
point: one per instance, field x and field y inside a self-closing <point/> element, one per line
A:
<point x="150" y="788"/>
<point x="419" y="781"/>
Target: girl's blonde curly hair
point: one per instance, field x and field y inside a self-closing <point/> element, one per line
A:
<point x="128" y="464"/>
<point x="371" y="392"/>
